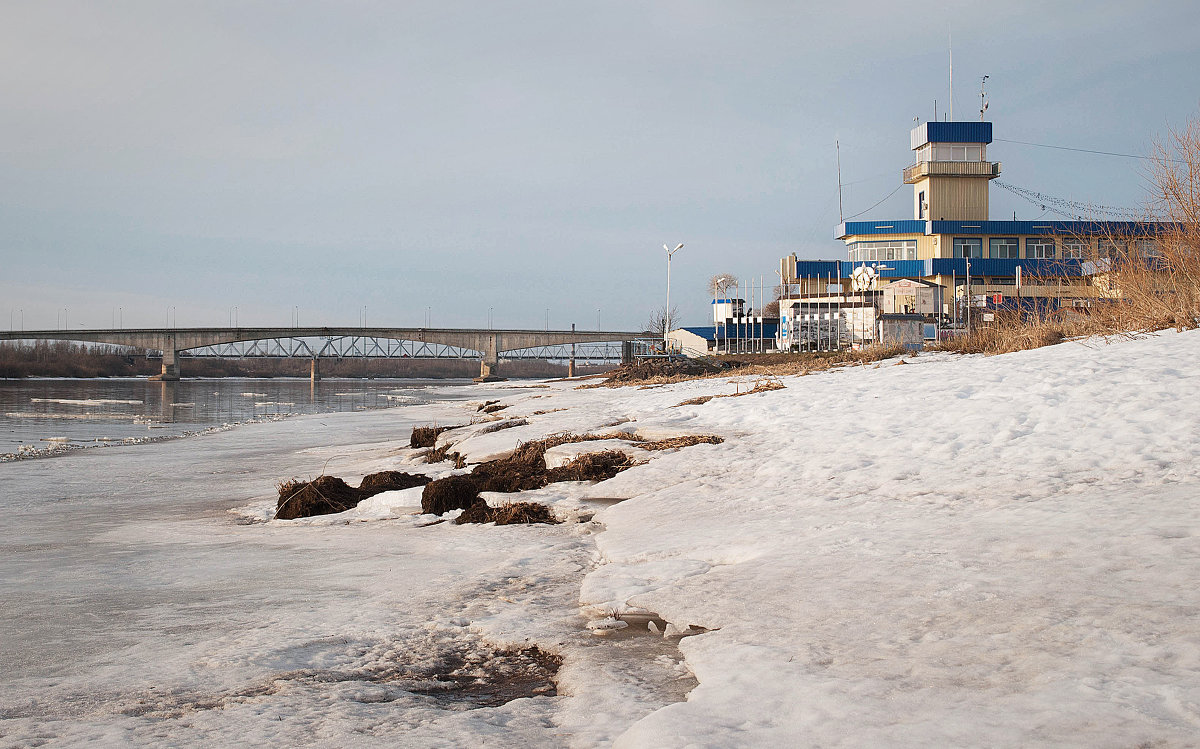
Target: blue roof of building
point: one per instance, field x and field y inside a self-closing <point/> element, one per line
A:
<point x="945" y="266"/>
<point x="950" y="132"/>
<point x="767" y="329"/>
<point x="909" y="226"/>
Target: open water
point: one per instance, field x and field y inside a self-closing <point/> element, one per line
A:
<point x="55" y="414"/>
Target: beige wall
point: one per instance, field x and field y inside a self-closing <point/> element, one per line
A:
<point x="954" y="198"/>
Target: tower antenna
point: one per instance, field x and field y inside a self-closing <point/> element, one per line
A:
<point x="950" y="46"/>
<point x="983" y="102"/>
<point x="838" y="146"/>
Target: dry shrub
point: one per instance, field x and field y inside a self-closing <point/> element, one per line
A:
<point x="426" y="436"/>
<point x="1009" y="333"/>
<point x="450" y="493"/>
<point x="485" y="405"/>
<point x="1150" y="283"/>
<point x="511" y="513"/>
<point x="323" y="495"/>
<point x="494" y="408"/>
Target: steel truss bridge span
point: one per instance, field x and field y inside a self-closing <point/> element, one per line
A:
<point x="486" y="345"/>
<point x="363" y="347"/>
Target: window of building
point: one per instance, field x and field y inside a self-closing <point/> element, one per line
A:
<point x="1148" y="248"/>
<point x="955" y="152"/>
<point x="1005" y="248"/>
<point x="896" y="249"/>
<point x="1109" y="248"/>
<point x="968" y="247"/>
<point x="921" y="205"/>
<point x="1073" y="249"/>
<point x="1040" y="248"/>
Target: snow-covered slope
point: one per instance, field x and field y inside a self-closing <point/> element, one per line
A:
<point x="953" y="551"/>
<point x="949" y="552"/>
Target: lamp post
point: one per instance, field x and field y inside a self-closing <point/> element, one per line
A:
<point x="667" y="311"/>
<point x="969" y="293"/>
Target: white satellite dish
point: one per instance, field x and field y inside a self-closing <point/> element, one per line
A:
<point x="862" y="277"/>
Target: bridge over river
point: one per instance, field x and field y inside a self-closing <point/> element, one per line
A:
<point x="487" y="345"/>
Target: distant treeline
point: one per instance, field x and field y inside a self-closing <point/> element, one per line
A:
<point x="66" y="359"/>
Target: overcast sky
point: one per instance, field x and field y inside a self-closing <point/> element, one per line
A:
<point x="520" y="156"/>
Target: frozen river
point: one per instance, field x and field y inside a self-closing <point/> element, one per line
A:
<point x="37" y="414"/>
<point x="138" y="610"/>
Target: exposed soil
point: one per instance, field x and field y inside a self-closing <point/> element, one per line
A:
<point x="323" y="495"/>
<point x="524" y="469"/>
<point x="450" y="493"/>
<point x="663" y="372"/>
<point x="650" y="369"/>
<point x="326" y="495"/>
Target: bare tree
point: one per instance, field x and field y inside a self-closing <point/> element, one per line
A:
<point x="658" y="320"/>
<point x="720" y="284"/>
<point x="1149" y="282"/>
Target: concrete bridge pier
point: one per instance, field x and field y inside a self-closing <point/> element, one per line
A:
<point x="170" y="365"/>
<point x="489" y="366"/>
<point x="314" y="370"/>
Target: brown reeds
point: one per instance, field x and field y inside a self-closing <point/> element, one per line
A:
<point x="427" y="436"/>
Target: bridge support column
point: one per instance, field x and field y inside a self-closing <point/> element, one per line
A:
<point x="489" y="366"/>
<point x="170" y="366"/>
<point x="571" y="362"/>
<point x="314" y="370"/>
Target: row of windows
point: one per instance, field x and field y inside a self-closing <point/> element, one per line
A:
<point x="952" y="152"/>
<point x="901" y="249"/>
<point x="1043" y="248"/>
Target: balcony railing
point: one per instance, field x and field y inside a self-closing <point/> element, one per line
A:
<point x="921" y="169"/>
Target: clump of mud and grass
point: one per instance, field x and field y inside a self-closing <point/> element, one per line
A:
<point x="326" y="495"/>
<point x="522" y="470"/>
<point x="426" y="436"/>
<point x="509" y="513"/>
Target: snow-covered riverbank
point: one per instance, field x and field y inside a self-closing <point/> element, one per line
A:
<point x="968" y="552"/>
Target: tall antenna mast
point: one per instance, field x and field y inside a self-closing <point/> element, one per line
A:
<point x="983" y="103"/>
<point x="838" y="146"/>
<point x="950" y="46"/>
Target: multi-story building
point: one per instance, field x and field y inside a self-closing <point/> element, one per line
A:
<point x="952" y="245"/>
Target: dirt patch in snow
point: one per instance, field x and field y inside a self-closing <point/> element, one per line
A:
<point x="510" y="513"/>
<point x="326" y="495"/>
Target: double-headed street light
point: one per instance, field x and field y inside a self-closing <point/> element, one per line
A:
<point x="667" y="311"/>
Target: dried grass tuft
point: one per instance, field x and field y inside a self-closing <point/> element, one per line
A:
<point x="426" y="436"/>
<point x="684" y="441"/>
